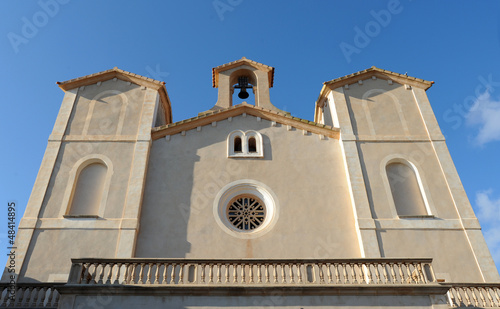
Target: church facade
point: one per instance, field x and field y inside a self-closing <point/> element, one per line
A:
<point x="246" y="206"/>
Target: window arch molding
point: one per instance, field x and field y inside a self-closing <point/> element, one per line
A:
<point x="74" y="173"/>
<point x="246" y="150"/>
<point x="422" y="184"/>
<point x="123" y="109"/>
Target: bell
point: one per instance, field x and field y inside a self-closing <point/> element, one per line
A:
<point x="243" y="94"/>
<point x="243" y="85"/>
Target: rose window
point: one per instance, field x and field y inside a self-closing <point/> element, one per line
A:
<point x="246" y="213"/>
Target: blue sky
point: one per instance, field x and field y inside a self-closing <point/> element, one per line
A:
<point x="456" y="44"/>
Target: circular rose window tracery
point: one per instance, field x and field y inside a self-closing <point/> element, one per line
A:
<point x="246" y="213"/>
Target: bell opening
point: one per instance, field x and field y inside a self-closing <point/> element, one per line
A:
<point x="244" y="88"/>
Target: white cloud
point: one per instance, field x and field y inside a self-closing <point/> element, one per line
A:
<point x="488" y="213"/>
<point x="485" y="113"/>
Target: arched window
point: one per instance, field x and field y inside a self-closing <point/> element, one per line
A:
<point x="88" y="190"/>
<point x="237" y="144"/>
<point x="252" y="145"/>
<point x="405" y="190"/>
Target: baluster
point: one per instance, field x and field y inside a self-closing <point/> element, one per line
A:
<point x="497" y="297"/>
<point x="202" y="276"/>
<point x="321" y="274"/>
<point x="474" y="297"/>
<point x="49" y="297"/>
<point x="275" y="272"/>
<point x="299" y="273"/>
<point x="101" y="277"/>
<point x="283" y="278"/>
<point x="210" y="273"/>
<point x="459" y="297"/>
<point x="337" y="274"/>
<point x="43" y="293"/>
<point x="82" y="273"/>
<point x="165" y="273"/>
<point x="141" y="273"/>
<point x="362" y="275"/>
<point x="181" y="273"/>
<point x="329" y="272"/>
<point x="218" y="273"/>
<point x="409" y="273"/>
<point x="94" y="274"/>
<point x="394" y="278"/>
<point x="172" y="274"/>
<point x="110" y="274"/>
<point x="346" y="277"/>
<point x="451" y="298"/>
<point x="353" y="272"/>
<point x="117" y="279"/>
<point x="157" y="273"/>
<point x="85" y="273"/>
<point x="386" y="276"/>
<point x="56" y="299"/>
<point x="421" y="277"/>
<point x="290" y="270"/>
<point x="259" y="273"/>
<point x="401" y="274"/>
<point x="267" y="272"/>
<point x="127" y="273"/>
<point x="369" y="271"/>
<point x="149" y="274"/>
<point x="226" y="269"/>
<point x="19" y="296"/>
<point x="377" y="273"/>
<point x="481" y="296"/>
<point x="134" y="272"/>
<point x="467" y="297"/>
<point x="235" y="273"/>
<point x="34" y="297"/>
<point x="243" y="280"/>
<point x="251" y="272"/>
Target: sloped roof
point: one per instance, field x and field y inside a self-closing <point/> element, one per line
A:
<point x="385" y="74"/>
<point x="218" y="115"/>
<point x="243" y="60"/>
<point x="125" y="76"/>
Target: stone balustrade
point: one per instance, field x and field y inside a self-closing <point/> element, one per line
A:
<point x="29" y="296"/>
<point x="250" y="272"/>
<point x="474" y="295"/>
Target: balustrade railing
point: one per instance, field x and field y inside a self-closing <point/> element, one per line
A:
<point x="29" y="296"/>
<point x="474" y="295"/>
<point x="250" y="272"/>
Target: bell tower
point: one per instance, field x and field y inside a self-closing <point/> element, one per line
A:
<point x="243" y="74"/>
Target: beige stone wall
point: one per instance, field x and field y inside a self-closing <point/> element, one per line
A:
<point x="305" y="173"/>
<point x="107" y="123"/>
<point x="50" y="251"/>
<point x="394" y="123"/>
<point x="453" y="259"/>
<point x="377" y="108"/>
<point x="112" y="108"/>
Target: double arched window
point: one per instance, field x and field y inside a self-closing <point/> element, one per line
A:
<point x="406" y="188"/>
<point x="245" y="144"/>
